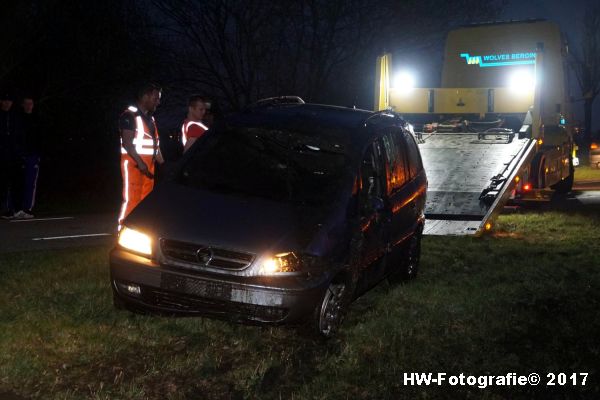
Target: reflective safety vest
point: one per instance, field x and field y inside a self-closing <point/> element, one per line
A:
<point x="145" y="142"/>
<point x="186" y="126"/>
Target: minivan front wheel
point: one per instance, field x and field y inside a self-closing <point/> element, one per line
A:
<point x="330" y="313"/>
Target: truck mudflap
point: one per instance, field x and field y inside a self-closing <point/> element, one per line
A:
<point x="471" y="178"/>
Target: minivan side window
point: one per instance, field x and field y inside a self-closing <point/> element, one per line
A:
<point x="414" y="157"/>
<point x="396" y="171"/>
<point x="370" y="179"/>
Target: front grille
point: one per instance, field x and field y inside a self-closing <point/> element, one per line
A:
<point x="230" y="310"/>
<point x="202" y="255"/>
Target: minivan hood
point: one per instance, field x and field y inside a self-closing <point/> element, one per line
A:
<point x="248" y="224"/>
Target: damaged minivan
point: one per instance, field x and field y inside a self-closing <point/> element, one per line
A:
<point x="282" y="213"/>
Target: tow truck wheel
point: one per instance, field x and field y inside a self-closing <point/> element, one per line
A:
<point x="538" y="171"/>
<point x="407" y="258"/>
<point x="566" y="184"/>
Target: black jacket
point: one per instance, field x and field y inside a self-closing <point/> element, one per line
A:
<point x="11" y="135"/>
<point x="32" y="134"/>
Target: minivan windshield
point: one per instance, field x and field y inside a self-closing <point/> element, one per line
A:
<point x="279" y="165"/>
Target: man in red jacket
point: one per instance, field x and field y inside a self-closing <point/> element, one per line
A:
<point x="192" y="127"/>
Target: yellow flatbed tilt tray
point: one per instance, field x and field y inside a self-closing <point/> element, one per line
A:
<point x="496" y="130"/>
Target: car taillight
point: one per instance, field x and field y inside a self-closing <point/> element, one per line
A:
<point x="593" y="146"/>
<point x="527" y="187"/>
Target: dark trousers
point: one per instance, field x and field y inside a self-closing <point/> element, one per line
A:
<point x="11" y="183"/>
<point x="30" y="175"/>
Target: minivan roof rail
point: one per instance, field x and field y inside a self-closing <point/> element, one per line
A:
<point x="378" y="115"/>
<point x="512" y="21"/>
<point x="273" y="101"/>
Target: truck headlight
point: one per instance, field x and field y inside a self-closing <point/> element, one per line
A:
<point x="136" y="241"/>
<point x="404" y="81"/>
<point x="522" y="81"/>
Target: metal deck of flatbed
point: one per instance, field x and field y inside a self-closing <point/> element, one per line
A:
<point x="459" y="168"/>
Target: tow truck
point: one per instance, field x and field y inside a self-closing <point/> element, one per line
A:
<point x="497" y="129"/>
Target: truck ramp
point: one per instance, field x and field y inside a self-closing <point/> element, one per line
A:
<point x="471" y="177"/>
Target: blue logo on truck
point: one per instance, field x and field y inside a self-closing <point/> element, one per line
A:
<point x="499" y="60"/>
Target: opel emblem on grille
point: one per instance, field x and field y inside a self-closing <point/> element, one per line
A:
<point x="204" y="255"/>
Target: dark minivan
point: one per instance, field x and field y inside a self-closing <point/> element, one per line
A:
<point x="282" y="213"/>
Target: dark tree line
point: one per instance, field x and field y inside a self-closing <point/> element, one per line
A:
<point x="80" y="61"/>
<point x="83" y="59"/>
<point x="586" y="62"/>
<point x="321" y="50"/>
<point x="85" y="54"/>
<point x="79" y="56"/>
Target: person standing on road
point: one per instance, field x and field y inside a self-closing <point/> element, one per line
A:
<point x="192" y="127"/>
<point x="31" y="156"/>
<point x="139" y="148"/>
<point x="11" y="157"/>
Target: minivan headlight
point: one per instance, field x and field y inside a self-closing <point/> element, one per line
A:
<point x="287" y="262"/>
<point x="283" y="262"/>
<point x="136" y="241"/>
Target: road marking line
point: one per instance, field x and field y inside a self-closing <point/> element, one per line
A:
<point x="40" y="219"/>
<point x="73" y="236"/>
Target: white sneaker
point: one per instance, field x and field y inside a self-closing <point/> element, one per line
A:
<point x="8" y="215"/>
<point x="23" y="215"/>
<point x="26" y="215"/>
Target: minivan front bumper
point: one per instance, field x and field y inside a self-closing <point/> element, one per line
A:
<point x="142" y="284"/>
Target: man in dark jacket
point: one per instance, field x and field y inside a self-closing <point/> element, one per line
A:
<point x="32" y="147"/>
<point x="11" y="156"/>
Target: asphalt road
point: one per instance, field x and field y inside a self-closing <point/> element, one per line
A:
<point x="64" y="231"/>
<point x="55" y="232"/>
<point x="586" y="185"/>
<point x="573" y="201"/>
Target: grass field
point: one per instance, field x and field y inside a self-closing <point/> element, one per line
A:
<point x="522" y="299"/>
<point x="587" y="173"/>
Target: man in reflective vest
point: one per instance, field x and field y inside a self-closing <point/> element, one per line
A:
<point x="192" y="127"/>
<point x="139" y="148"/>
